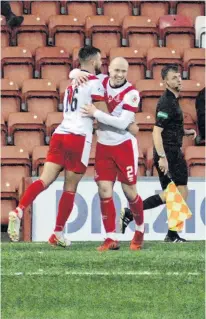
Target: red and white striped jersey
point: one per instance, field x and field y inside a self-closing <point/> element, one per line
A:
<point x="126" y="98"/>
<point x="74" y="99"/>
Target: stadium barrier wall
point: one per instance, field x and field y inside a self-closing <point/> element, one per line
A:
<point x="85" y="222"/>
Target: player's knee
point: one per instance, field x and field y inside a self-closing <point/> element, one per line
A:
<point x="104" y="191"/>
<point x="130" y="191"/>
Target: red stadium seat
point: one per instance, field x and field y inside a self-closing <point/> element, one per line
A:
<point x="5" y="33"/>
<point x="81" y="9"/>
<point x="103" y="32"/>
<point x="17" y="7"/>
<point x="52" y="121"/>
<point x="177" y="32"/>
<point x="45" y="9"/>
<point x="40" y="97"/>
<point x="145" y="122"/>
<point x="53" y="63"/>
<point x="190" y="9"/>
<point x="38" y="158"/>
<point x="104" y="68"/>
<point x="195" y="157"/>
<point x="32" y="33"/>
<point x="158" y="57"/>
<point x="118" y="9"/>
<point x="153" y="9"/>
<point x="15" y="164"/>
<point x="62" y="87"/>
<point x="26" y="130"/>
<point x="66" y="32"/>
<point x="9" y="201"/>
<point x="188" y="94"/>
<point x="150" y="91"/>
<point x="10" y="98"/>
<point x="136" y="60"/>
<point x="139" y="32"/>
<point x="194" y="63"/>
<point x="17" y="64"/>
<point x="3" y="131"/>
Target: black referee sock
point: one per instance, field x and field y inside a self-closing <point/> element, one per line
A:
<point x="152" y="202"/>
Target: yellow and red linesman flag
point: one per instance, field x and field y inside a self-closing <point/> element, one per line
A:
<point x="177" y="209"/>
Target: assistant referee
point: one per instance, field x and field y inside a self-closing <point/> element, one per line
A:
<point x="168" y="134"/>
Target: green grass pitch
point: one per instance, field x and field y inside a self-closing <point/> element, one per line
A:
<point x="163" y="281"/>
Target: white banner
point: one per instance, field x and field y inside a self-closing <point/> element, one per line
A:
<point x="85" y="223"/>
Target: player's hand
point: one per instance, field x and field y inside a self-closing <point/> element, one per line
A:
<point x="82" y="78"/>
<point x="191" y="133"/>
<point x="88" y="110"/>
<point x="163" y="165"/>
<point x="133" y="129"/>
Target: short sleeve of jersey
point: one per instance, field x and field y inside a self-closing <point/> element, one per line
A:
<point x="163" y="114"/>
<point x="131" y="101"/>
<point x="97" y="90"/>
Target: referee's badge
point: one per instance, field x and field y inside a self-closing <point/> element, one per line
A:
<point x="162" y="115"/>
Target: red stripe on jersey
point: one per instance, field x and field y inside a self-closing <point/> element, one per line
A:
<point x="105" y="81"/>
<point x="130" y="108"/>
<point x="92" y="77"/>
<point x="117" y="99"/>
<point x="97" y="98"/>
<point x="70" y="94"/>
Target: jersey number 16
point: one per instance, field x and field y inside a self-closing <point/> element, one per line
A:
<point x="74" y="101"/>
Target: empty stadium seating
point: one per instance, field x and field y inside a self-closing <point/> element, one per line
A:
<point x="190" y="9"/>
<point x="194" y="64"/>
<point x="145" y="122"/>
<point x="17" y="64"/>
<point x="139" y="32"/>
<point x="117" y="9"/>
<point x="52" y="121"/>
<point x="158" y="57"/>
<point x="15" y="164"/>
<point x="9" y="200"/>
<point x="177" y="32"/>
<point x="3" y="131"/>
<point x="38" y="158"/>
<point x="150" y="92"/>
<point x="153" y="9"/>
<point x="45" y="9"/>
<point x="81" y="9"/>
<point x="53" y="63"/>
<point x="26" y="130"/>
<point x="40" y="97"/>
<point x="195" y="157"/>
<point x="17" y="7"/>
<point x="103" y="32"/>
<point x="188" y="94"/>
<point x="66" y="32"/>
<point x="32" y="33"/>
<point x="10" y="98"/>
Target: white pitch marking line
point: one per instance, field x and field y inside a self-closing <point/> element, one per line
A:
<point x="102" y="273"/>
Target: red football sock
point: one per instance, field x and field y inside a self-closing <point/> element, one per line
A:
<point x="31" y="193"/>
<point x="136" y="207"/>
<point x="66" y="204"/>
<point x="108" y="214"/>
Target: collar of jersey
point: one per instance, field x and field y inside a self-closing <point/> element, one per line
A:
<point x="171" y="94"/>
<point x="119" y="86"/>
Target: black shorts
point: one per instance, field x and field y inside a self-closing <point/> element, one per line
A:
<point x="177" y="167"/>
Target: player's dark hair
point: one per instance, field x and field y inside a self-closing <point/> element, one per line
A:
<point x="167" y="68"/>
<point x="87" y="52"/>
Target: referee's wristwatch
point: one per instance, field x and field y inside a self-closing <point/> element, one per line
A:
<point x="161" y="155"/>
